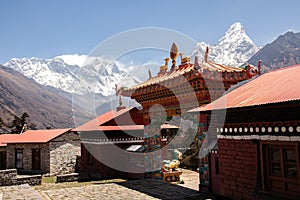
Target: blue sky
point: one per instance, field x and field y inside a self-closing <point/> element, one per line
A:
<point x="46" y="29"/>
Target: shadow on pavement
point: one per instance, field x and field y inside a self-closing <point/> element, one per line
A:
<point x="163" y="190"/>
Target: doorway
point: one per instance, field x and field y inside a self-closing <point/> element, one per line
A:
<point x="36" y="159"/>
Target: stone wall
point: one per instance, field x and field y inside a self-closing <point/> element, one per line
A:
<point x="64" y="151"/>
<point x="238" y="168"/>
<point x="67" y="178"/>
<point x="9" y="177"/>
<point x="30" y="180"/>
<point x="27" y="157"/>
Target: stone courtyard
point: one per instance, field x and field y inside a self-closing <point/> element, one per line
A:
<point x="120" y="189"/>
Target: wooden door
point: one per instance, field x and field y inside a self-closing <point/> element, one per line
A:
<point x="36" y="159"/>
<point x="3" y="160"/>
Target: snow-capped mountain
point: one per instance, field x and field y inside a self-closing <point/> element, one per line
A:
<point x="78" y="74"/>
<point x="81" y="74"/>
<point x="233" y="49"/>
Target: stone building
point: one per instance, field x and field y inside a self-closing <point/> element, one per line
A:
<point x="41" y="151"/>
<point x="257" y="129"/>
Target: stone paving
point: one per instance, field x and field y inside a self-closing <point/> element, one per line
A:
<point x="137" y="189"/>
<point x="19" y="192"/>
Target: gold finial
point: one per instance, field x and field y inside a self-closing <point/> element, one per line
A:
<point x="164" y="68"/>
<point x="167" y="61"/>
<point x="116" y="88"/>
<point x="206" y="54"/>
<point x="173" y="55"/>
<point x="120" y="101"/>
<point x="196" y="63"/>
<point x="184" y="59"/>
<point x="259" y="67"/>
<point x="181" y="55"/>
<point x="150" y="74"/>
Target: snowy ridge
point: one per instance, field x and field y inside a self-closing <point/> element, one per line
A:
<point x="91" y="75"/>
<point x="233" y="49"/>
<point x="81" y="74"/>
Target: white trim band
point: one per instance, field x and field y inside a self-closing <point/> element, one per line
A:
<point x="260" y="137"/>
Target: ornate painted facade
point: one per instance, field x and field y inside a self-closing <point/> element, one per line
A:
<point x="187" y="85"/>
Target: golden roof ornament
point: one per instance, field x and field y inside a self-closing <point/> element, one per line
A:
<point x="184" y="59"/>
<point x="167" y="61"/>
<point x="120" y="101"/>
<point x="149" y="73"/>
<point x="196" y="63"/>
<point x="164" y="68"/>
<point x="173" y="55"/>
<point x="206" y="54"/>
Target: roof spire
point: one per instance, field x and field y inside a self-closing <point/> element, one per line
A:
<point x="149" y="73"/>
<point x="173" y="55"/>
<point x="206" y="54"/>
<point x="196" y="63"/>
<point x="164" y="68"/>
<point x="121" y="106"/>
<point x="259" y="67"/>
<point x="167" y="61"/>
<point x="184" y="59"/>
<point x="120" y="101"/>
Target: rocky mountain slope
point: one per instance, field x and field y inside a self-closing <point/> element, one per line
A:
<point x="282" y="52"/>
<point x="18" y="94"/>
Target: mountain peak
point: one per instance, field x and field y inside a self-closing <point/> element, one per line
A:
<point x="233" y="49"/>
<point x="235" y="33"/>
<point x="237" y="26"/>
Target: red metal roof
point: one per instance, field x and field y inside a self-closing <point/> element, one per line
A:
<point x="32" y="136"/>
<point x="119" y="128"/>
<point x="273" y="87"/>
<point x="98" y="121"/>
<point x="132" y="127"/>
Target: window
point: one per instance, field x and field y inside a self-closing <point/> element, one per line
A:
<point x="19" y="158"/>
<point x="281" y="167"/>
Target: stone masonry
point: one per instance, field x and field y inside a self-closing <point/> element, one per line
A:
<point x="27" y="156"/>
<point x="64" y="151"/>
<point x="56" y="157"/>
<point x="10" y="177"/>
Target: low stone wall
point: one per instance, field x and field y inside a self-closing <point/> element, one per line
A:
<point x="30" y="180"/>
<point x="67" y="177"/>
<point x="9" y="177"/>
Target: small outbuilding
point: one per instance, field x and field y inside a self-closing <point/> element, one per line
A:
<point x="50" y="152"/>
